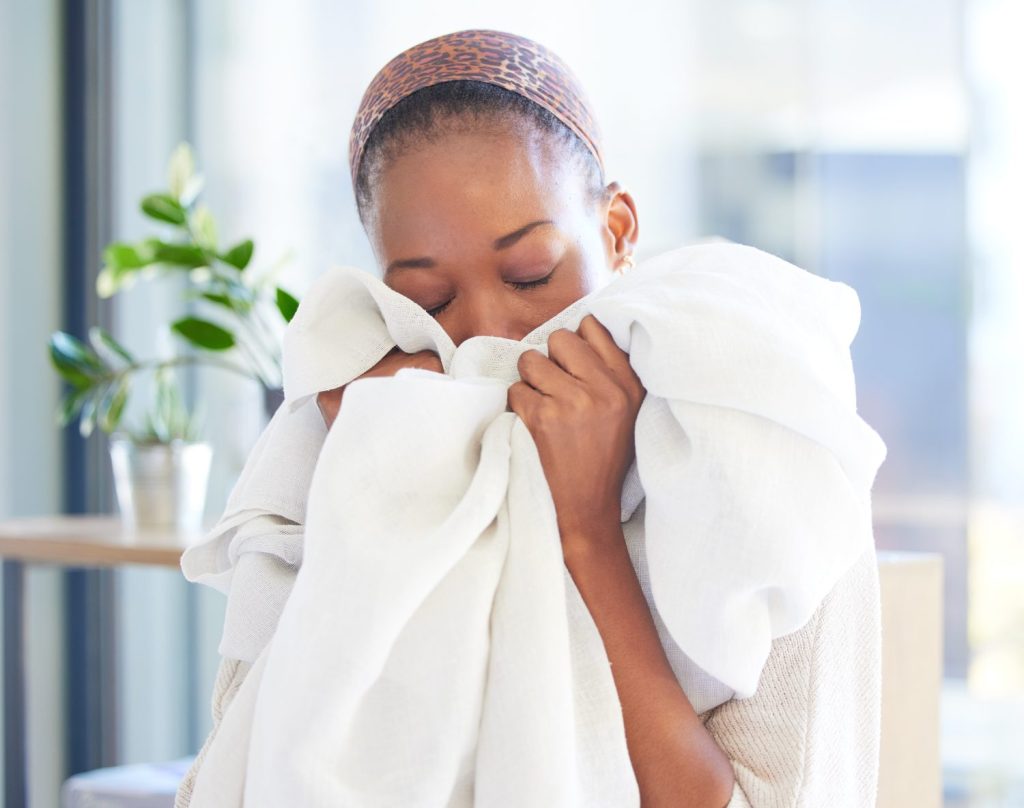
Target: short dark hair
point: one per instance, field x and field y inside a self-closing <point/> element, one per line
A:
<point x="434" y="110"/>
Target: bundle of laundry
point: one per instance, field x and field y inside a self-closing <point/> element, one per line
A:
<point x="434" y="649"/>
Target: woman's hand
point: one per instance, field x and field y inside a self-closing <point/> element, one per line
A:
<point x="580" y="404"/>
<point x="329" y="401"/>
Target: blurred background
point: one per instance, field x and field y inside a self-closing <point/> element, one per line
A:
<point x="880" y="143"/>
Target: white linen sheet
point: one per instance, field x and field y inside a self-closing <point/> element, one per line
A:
<point x="434" y="650"/>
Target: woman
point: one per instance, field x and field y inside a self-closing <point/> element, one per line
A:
<point x="480" y="182"/>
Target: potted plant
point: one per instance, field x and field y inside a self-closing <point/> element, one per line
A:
<point x="161" y="468"/>
<point x="237" y="304"/>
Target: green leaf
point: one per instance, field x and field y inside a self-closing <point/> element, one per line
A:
<point x="107" y="283"/>
<point x="87" y="420"/>
<point x="111" y="405"/>
<point x="182" y="180"/>
<point x="70" y="373"/>
<point x="180" y="169"/>
<point x="110" y="280"/>
<point x="70" y="406"/>
<point x="192" y="189"/>
<point x="120" y="256"/>
<point x="222" y="296"/>
<point x="239" y="255"/>
<point x="182" y="255"/>
<point x="122" y="263"/>
<point x="220" y="300"/>
<point x="164" y="208"/>
<point x="157" y="418"/>
<point x="108" y="347"/>
<point x="169" y="418"/>
<point x="193" y="430"/>
<point x="74" y="350"/>
<point x="74" y="360"/>
<point x="286" y="304"/>
<point x="204" y="334"/>
<point x="200" y="276"/>
<point x="204" y="228"/>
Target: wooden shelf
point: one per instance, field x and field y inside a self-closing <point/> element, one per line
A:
<point x="90" y="541"/>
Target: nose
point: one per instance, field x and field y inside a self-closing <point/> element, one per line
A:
<point x="487" y="314"/>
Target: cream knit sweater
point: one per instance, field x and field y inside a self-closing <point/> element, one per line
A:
<point x="808" y="737"/>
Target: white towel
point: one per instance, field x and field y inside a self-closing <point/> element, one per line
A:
<point x="434" y="649"/>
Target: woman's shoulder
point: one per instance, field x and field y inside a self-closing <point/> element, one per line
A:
<point x="841" y="641"/>
<point x="811" y="730"/>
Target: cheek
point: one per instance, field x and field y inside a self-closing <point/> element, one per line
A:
<point x="591" y="257"/>
<point x="578" y="285"/>
<point x="589" y="268"/>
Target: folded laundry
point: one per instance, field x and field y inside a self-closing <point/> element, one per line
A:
<point x="434" y="649"/>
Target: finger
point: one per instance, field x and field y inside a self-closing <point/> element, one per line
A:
<point x="383" y="366"/>
<point x="574" y="355"/>
<point x="542" y="374"/>
<point x="523" y="399"/>
<point x="329" y="404"/>
<point x="427" y="360"/>
<point x="600" y="339"/>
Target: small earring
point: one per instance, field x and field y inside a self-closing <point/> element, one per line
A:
<point x="627" y="261"/>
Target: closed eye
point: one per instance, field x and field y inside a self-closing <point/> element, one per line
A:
<point x="529" y="284"/>
<point x="532" y="284"/>
<point x="434" y="312"/>
<point x="437" y="310"/>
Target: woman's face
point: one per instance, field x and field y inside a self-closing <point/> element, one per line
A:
<point x="491" y="232"/>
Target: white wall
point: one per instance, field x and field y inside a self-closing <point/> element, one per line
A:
<point x="30" y="267"/>
<point x="996" y="175"/>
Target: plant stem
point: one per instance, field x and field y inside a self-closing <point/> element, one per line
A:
<point x="193" y="359"/>
<point x="252" y="358"/>
<point x="214" y="264"/>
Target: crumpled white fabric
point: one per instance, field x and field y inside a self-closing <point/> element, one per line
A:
<point x="434" y="649"/>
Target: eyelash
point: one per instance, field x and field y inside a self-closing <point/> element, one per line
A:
<point x="434" y="312"/>
<point x="530" y="284"/>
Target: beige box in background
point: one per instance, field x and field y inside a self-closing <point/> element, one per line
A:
<point x="911" y="592"/>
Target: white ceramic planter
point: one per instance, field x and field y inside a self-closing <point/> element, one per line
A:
<point x="161" y="486"/>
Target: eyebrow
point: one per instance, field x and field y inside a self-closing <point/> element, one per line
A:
<point x="502" y="243"/>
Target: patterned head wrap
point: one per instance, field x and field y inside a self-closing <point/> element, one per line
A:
<point x="496" y="57"/>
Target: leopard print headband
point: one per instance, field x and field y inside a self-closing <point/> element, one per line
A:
<point x="496" y="57"/>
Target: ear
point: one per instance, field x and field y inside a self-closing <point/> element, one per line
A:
<point x="621" y="227"/>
